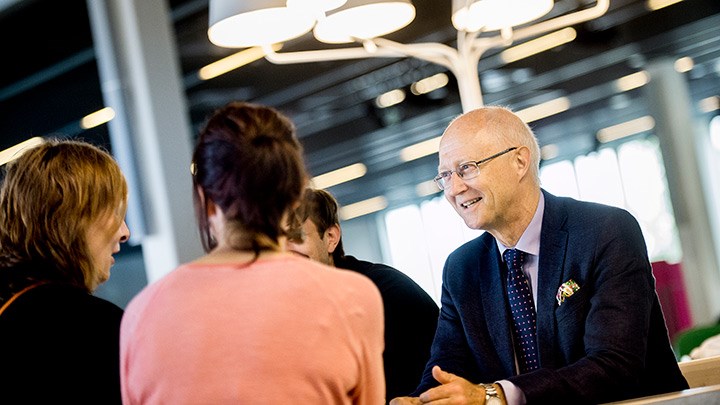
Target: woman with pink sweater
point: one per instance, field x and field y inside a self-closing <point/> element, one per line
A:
<point x="249" y="323"/>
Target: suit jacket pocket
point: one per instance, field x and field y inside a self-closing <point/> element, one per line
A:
<point x="570" y="318"/>
<point x="574" y="308"/>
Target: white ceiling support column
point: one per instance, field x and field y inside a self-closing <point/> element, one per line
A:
<point x="672" y="108"/>
<point x="141" y="80"/>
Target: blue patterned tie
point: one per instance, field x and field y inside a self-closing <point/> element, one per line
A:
<point x="522" y="310"/>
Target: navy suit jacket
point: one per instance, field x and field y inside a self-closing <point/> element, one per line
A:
<point x="606" y="342"/>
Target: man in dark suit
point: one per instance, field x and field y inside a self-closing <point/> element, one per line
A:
<point x="593" y="330"/>
<point x="411" y="315"/>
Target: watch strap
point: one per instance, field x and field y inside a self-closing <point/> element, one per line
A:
<point x="494" y="391"/>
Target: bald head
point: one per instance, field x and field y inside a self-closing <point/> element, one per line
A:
<point x="495" y="126"/>
<point x="489" y="171"/>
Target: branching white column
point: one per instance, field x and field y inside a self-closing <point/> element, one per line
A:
<point x="462" y="62"/>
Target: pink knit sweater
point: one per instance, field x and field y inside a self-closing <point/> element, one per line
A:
<point x="283" y="330"/>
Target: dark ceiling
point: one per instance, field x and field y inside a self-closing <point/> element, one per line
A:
<point x="50" y="80"/>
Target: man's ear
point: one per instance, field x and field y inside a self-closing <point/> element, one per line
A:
<point x="332" y="235"/>
<point x="522" y="159"/>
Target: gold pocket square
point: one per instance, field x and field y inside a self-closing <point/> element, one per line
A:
<point x="567" y="289"/>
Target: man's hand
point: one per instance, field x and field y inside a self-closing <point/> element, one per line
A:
<point x="453" y="389"/>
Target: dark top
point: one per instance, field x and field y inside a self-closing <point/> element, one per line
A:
<point x="59" y="344"/>
<point x="606" y="342"/>
<point x="410" y="321"/>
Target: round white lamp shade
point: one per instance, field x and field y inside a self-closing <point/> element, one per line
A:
<point x="364" y="19"/>
<point x="491" y="15"/>
<point x="318" y="5"/>
<point x="246" y="23"/>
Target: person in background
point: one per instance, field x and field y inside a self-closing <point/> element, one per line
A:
<point x="579" y="285"/>
<point x="62" y="210"/>
<point x="410" y="313"/>
<point x="250" y="323"/>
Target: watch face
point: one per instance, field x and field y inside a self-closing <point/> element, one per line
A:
<point x="493" y="401"/>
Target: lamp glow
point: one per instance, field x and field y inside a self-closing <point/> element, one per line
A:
<point x="537" y="45"/>
<point x="242" y="24"/>
<point x="363" y="208"/>
<point x="14" y="152"/>
<point x="654" y="5"/>
<point x="684" y="64"/>
<point x="544" y="110"/>
<point x="342" y="175"/>
<point x="420" y="149"/>
<point x="709" y="104"/>
<point x="627" y="128"/>
<point x="492" y="15"/>
<point x="364" y="19"/>
<point x="318" y="5"/>
<point x="429" y="84"/>
<point x="426" y="188"/>
<point x="632" y="81"/>
<point x="99" y="117"/>
<point x="390" y="98"/>
<point x="234" y="61"/>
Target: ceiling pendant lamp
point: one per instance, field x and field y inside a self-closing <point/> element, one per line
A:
<point x="359" y="20"/>
<point x="241" y="24"/>
<point x="353" y="21"/>
<point x="491" y="15"/>
<point x="318" y="5"/>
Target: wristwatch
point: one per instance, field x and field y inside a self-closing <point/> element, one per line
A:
<point x="491" y="395"/>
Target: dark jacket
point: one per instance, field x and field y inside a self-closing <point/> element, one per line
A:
<point x="410" y="320"/>
<point x="59" y="344"/>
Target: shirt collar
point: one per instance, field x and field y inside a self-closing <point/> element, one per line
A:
<point x="529" y="241"/>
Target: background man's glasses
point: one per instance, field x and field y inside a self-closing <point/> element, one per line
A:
<point x="467" y="170"/>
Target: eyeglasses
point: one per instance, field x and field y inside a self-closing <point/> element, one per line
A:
<point x="467" y="170"/>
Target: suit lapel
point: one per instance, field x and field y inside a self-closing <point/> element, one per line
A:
<point x="553" y="246"/>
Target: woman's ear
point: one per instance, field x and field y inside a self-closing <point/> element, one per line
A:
<point x="215" y="217"/>
<point x="207" y="204"/>
<point x="210" y="208"/>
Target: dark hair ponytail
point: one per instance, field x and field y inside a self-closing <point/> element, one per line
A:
<point x="249" y="162"/>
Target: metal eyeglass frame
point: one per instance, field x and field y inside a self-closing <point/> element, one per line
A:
<point x="443" y="178"/>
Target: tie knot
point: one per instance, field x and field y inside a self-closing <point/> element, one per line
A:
<point x="514" y="258"/>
